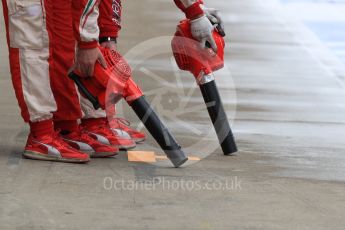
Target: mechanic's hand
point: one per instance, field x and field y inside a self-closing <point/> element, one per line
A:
<point x="110" y="45"/>
<point x="202" y="31"/>
<point x="86" y="60"/>
<point x="215" y="17"/>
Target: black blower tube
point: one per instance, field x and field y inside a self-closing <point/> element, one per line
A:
<point x="218" y="116"/>
<point x="151" y="121"/>
<point x="159" y="132"/>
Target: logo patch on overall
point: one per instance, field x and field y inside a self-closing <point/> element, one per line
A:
<point x="117" y="7"/>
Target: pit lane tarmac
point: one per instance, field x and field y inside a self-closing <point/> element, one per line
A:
<point x="284" y="95"/>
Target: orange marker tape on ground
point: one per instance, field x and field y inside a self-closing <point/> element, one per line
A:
<point x="150" y="157"/>
<point x="141" y="156"/>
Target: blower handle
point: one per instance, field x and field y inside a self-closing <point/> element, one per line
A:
<point x="76" y="78"/>
<point x="220" y="31"/>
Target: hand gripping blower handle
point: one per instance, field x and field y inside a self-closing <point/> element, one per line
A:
<point x="109" y="85"/>
<point x="202" y="63"/>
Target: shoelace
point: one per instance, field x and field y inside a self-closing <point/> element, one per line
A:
<point x="104" y="127"/>
<point x="107" y="131"/>
<point x="58" y="141"/>
<point x="86" y="137"/>
<point x="82" y="135"/>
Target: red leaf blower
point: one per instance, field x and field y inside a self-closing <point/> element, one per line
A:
<point x="108" y="86"/>
<point x="190" y="56"/>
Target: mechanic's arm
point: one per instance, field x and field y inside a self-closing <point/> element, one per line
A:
<point x="86" y="32"/>
<point x="109" y="22"/>
<point x="201" y="18"/>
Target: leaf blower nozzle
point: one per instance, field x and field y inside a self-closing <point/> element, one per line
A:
<point x="108" y="86"/>
<point x="190" y="56"/>
<point x="159" y="131"/>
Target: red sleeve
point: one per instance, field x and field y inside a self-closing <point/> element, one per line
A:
<point x="192" y="11"/>
<point x="110" y="18"/>
<point x="85" y="17"/>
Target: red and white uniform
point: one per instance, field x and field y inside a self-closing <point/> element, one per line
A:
<point x="42" y="46"/>
<point x="41" y="36"/>
<point x="192" y="8"/>
<point x="109" y="22"/>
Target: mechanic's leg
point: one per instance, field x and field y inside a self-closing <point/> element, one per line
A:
<point x="63" y="50"/>
<point x="30" y="63"/>
<point x="68" y="107"/>
<point x="29" y="53"/>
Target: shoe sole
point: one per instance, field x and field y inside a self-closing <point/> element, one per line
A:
<point x="122" y="147"/>
<point x="102" y="155"/>
<point x="43" y="157"/>
<point x="138" y="140"/>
